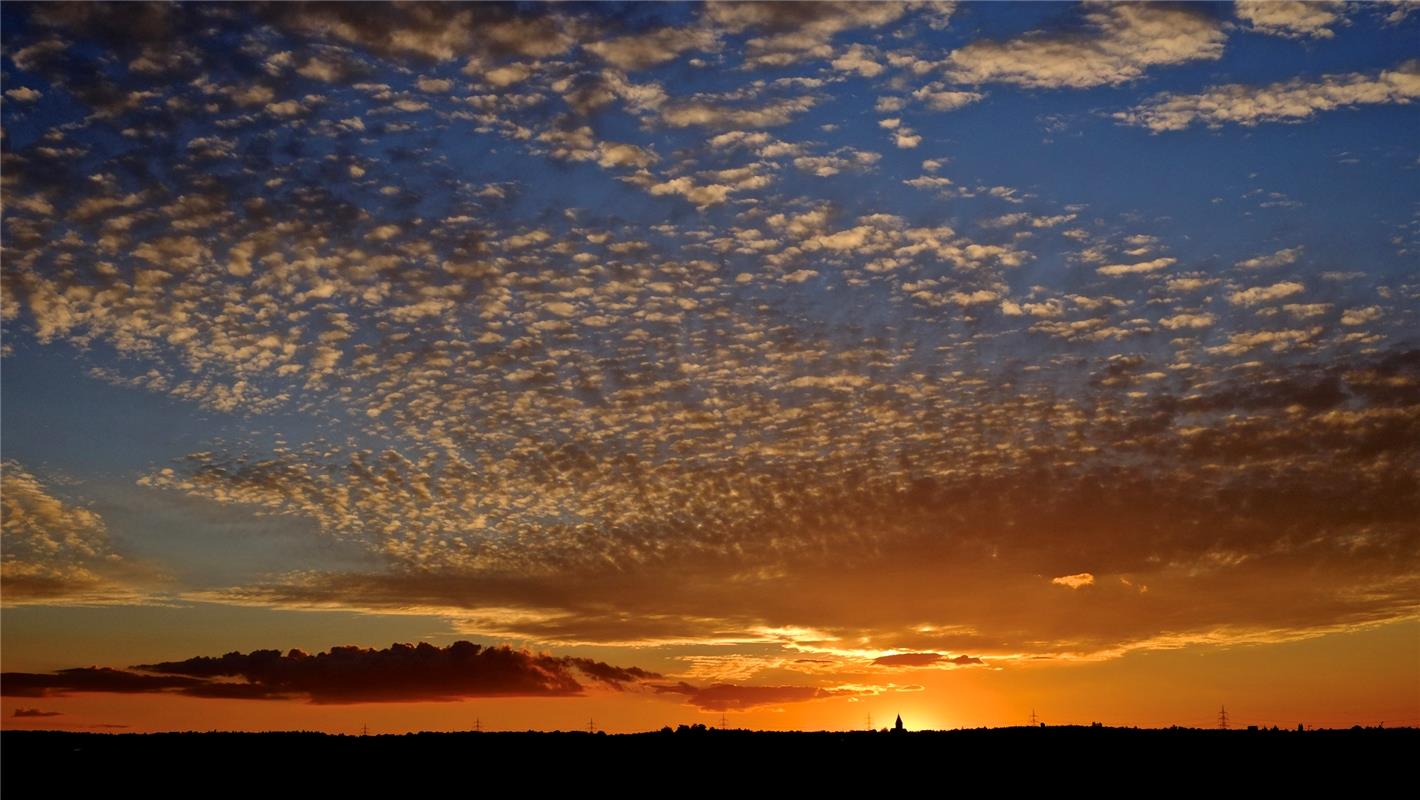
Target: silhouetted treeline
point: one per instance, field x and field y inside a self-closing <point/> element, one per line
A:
<point x="191" y="763"/>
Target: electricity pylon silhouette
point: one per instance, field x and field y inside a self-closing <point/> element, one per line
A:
<point x="1223" y="718"/>
<point x="1034" y="720"/>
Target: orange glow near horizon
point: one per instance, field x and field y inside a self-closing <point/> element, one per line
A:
<point x="1331" y="681"/>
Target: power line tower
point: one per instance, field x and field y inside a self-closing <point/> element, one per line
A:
<point x="1034" y="720"/>
<point x="478" y="724"/>
<point x="364" y="730"/>
<point x="723" y="725"/>
<point x="591" y="726"/>
<point x="1223" y="718"/>
<point x="870" y="722"/>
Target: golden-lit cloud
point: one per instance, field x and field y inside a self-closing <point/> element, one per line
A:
<point x="1281" y="258"/>
<point x="1121" y="41"/>
<point x="1075" y="581"/>
<point x="781" y="34"/>
<point x="1291" y="18"/>
<point x="58" y="553"/>
<point x="1287" y="101"/>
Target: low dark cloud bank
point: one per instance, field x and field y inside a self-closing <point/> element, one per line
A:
<point x="401" y="672"/>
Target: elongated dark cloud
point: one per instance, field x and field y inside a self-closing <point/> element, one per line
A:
<point x="924" y="660"/>
<point x="730" y="697"/>
<point x="35" y="712"/>
<point x="103" y="680"/>
<point x="400" y="672"/>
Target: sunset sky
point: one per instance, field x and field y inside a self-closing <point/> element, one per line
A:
<point x="406" y="365"/>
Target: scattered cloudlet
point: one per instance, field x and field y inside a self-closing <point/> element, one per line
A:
<point x="1076" y="581"/>
<point x="1292" y="19"/>
<point x="1281" y="258"/>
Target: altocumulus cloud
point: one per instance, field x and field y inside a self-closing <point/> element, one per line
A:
<point x="641" y="426"/>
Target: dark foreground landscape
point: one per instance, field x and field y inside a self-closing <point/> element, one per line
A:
<point x="41" y="761"/>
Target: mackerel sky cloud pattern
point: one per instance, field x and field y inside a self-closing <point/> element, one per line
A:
<point x="1056" y="331"/>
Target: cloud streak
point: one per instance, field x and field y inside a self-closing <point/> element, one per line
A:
<point x="730" y="697"/>
<point x="925" y="660"/>
<point x="1292" y="101"/>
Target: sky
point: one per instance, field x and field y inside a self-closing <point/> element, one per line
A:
<point x="783" y="366"/>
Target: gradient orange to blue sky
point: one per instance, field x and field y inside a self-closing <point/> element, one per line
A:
<point x="796" y="366"/>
